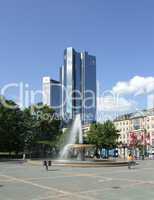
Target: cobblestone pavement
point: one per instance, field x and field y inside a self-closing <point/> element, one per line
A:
<point x="27" y="182"/>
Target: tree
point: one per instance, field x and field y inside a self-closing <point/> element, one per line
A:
<point x="103" y="135"/>
<point x="47" y="127"/>
<point x="11" y="130"/>
<point x="25" y="130"/>
<point x="30" y="130"/>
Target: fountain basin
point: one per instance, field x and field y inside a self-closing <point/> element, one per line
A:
<point x="89" y="163"/>
<point x="80" y="146"/>
<point x="82" y="164"/>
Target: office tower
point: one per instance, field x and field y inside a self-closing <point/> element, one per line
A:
<point x="78" y="79"/>
<point x="88" y="87"/>
<point x="51" y="93"/>
<point x="62" y="93"/>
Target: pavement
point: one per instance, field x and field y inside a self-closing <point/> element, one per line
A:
<point x="29" y="182"/>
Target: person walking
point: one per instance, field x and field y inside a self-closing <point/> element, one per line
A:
<point x="45" y="164"/>
<point x="130" y="160"/>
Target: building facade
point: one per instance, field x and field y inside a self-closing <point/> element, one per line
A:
<point x="78" y="82"/>
<point x="75" y="93"/>
<point x="137" y="129"/>
<point x="51" y="93"/>
<point x="88" y="87"/>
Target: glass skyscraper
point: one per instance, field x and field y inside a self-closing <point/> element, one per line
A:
<point x="88" y="87"/>
<point x="78" y="85"/>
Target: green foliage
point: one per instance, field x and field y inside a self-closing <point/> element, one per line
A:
<point x="103" y="135"/>
<point x="36" y="128"/>
<point x="11" y="129"/>
<point x="22" y="130"/>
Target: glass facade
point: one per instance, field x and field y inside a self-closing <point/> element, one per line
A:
<point x="88" y="87"/>
<point x="55" y="95"/>
<point x="68" y="81"/>
<point x="78" y="76"/>
<point x="76" y="91"/>
<point x="77" y="84"/>
<point x="62" y="93"/>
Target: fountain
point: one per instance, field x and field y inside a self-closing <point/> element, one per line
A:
<point x="76" y="131"/>
<point x="80" y="148"/>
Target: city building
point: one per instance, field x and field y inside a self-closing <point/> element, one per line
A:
<point x="136" y="128"/>
<point x="51" y="93"/>
<point x="78" y="80"/>
<point x="75" y="93"/>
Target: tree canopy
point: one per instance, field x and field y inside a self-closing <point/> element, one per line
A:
<point x="25" y="129"/>
<point x="103" y="135"/>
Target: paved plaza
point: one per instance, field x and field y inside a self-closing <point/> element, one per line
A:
<point x="30" y="182"/>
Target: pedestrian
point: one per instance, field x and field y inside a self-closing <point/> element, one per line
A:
<point x="45" y="164"/>
<point x="49" y="163"/>
<point x="130" y="161"/>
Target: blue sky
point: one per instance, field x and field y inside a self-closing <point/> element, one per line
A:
<point x="34" y="33"/>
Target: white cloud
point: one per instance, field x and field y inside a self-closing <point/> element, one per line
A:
<point x="119" y="100"/>
<point x="113" y="104"/>
<point x="137" y="85"/>
<point x="109" y="107"/>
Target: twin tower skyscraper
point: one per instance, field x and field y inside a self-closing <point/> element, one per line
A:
<point x="75" y="92"/>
